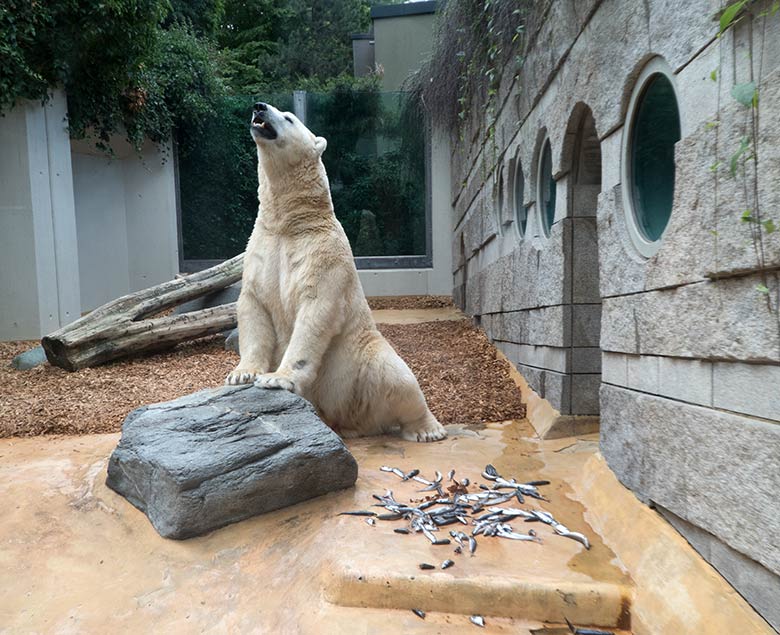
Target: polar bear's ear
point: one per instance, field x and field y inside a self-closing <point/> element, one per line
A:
<point x="320" y="143"/>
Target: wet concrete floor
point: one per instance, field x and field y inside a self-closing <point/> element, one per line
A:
<point x="76" y="557"/>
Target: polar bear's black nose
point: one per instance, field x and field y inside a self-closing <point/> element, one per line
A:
<point x="260" y="106"/>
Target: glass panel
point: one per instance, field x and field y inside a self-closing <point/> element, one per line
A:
<point x="376" y="165"/>
<point x="521" y="213"/>
<point x="375" y="161"/>
<point x="218" y="181"/>
<point x="547" y="187"/>
<point x="656" y="128"/>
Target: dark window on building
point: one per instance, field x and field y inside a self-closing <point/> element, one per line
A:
<point x="546" y="189"/>
<point x="521" y="213"/>
<point x="654" y="131"/>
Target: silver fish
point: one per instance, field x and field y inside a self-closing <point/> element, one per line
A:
<point x="419" y="613"/>
<point x="515" y="536"/>
<point x="447" y="564"/>
<point x="574" y="535"/>
<point x="477" y="620"/>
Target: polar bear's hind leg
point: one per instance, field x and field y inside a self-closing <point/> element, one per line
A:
<point x="423" y="429"/>
<point x="412" y="413"/>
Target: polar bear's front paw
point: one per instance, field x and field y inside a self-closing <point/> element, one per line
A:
<point x="275" y="381"/>
<point x="242" y="376"/>
<point x="432" y="430"/>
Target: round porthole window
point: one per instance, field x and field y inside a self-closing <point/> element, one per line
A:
<point x="499" y="209"/>
<point x="518" y="196"/>
<point x="546" y="189"/>
<point x="648" y="157"/>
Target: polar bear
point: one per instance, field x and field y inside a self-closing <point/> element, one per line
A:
<point x="304" y="324"/>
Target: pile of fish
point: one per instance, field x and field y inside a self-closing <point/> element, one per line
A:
<point x="481" y="510"/>
<point x="450" y="502"/>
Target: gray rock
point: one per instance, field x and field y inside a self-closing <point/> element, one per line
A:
<point x="231" y="342"/>
<point x="585" y="394"/>
<point x="29" y="359"/>
<point x="621" y="269"/>
<point x="546" y="326"/>
<point x="222" y="455"/>
<point x="584" y="261"/>
<point x="678" y="45"/>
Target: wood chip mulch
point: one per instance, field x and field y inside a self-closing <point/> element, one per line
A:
<point x="49" y="400"/>
<point x="409" y="302"/>
<point x="457" y="369"/>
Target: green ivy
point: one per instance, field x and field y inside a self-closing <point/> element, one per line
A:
<point x="122" y="71"/>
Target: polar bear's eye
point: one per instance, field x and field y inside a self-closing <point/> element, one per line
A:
<point x="288" y="119"/>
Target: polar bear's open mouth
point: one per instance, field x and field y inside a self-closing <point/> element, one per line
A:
<point x="262" y="127"/>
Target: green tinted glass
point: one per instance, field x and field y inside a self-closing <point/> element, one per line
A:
<point x="655" y="130"/>
<point x="547" y="187"/>
<point x="375" y="161"/>
<point x="521" y="213"/>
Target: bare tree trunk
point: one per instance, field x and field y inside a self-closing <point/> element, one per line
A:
<point x="118" y="328"/>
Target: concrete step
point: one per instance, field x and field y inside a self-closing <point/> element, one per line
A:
<point x="545" y="600"/>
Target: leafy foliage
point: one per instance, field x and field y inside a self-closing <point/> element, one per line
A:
<point x="744" y="162"/>
<point x="297" y="44"/>
<point x="375" y="163"/>
<point x="192" y="68"/>
<point x="120" y="69"/>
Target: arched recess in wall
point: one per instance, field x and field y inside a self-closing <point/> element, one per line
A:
<point x="582" y="157"/>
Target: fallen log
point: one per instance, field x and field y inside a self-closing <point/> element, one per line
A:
<point x="119" y="328"/>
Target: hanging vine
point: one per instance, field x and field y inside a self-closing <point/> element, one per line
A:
<point x="743" y="163"/>
<point x="474" y="42"/>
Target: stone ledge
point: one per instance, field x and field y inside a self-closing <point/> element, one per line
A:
<point x="715" y="470"/>
<point x="661" y="563"/>
<point x="543" y="598"/>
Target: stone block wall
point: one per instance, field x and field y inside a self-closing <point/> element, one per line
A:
<point x="679" y="352"/>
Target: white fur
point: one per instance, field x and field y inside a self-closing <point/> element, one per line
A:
<point x="304" y="323"/>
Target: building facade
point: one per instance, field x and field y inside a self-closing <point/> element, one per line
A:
<point x="77" y="227"/>
<point x="615" y="238"/>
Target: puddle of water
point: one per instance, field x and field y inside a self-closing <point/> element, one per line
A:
<point x="525" y="458"/>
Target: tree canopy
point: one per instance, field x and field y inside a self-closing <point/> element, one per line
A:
<point x="152" y="67"/>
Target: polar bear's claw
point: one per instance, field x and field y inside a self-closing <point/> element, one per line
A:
<point x="275" y="381"/>
<point x="432" y="431"/>
<point x="239" y="376"/>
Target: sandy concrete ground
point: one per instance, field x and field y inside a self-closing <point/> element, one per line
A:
<point x="77" y="557"/>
